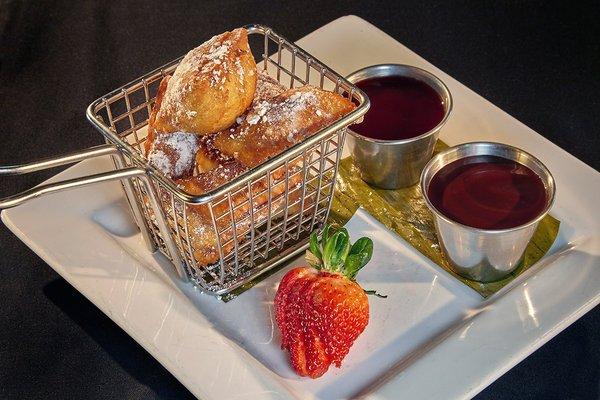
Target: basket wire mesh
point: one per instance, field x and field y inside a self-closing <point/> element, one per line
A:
<point x="258" y="220"/>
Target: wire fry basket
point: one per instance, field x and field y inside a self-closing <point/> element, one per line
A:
<point x="258" y="220"/>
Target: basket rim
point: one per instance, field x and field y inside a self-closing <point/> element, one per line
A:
<point x="250" y="175"/>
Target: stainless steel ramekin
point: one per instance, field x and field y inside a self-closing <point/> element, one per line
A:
<point x="480" y="254"/>
<point x="393" y="164"/>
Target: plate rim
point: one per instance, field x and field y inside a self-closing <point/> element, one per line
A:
<point x="394" y="381"/>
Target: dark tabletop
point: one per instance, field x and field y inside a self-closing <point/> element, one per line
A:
<point x="538" y="60"/>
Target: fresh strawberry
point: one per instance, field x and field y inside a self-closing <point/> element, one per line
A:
<point x="320" y="310"/>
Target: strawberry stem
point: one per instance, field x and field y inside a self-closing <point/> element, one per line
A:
<point x="374" y="293"/>
<point x="333" y="252"/>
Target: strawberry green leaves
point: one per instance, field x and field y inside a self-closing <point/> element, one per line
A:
<point x="314" y="255"/>
<point x="360" y="254"/>
<point x="335" y="253"/>
<point x="313" y="260"/>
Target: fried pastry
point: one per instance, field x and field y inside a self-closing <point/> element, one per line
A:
<point x="160" y="94"/>
<point x="210" y="180"/>
<point x="173" y="153"/>
<point x="245" y="211"/>
<point x="212" y="86"/>
<point x="266" y="89"/>
<point x="214" y="120"/>
<point x="277" y="124"/>
<point x="208" y="157"/>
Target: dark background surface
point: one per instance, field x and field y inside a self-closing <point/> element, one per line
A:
<point x="538" y="60"/>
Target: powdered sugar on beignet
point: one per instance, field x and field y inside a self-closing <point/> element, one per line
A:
<point x="212" y="86"/>
<point x="208" y="156"/>
<point x="276" y="124"/>
<point x="173" y="153"/>
<point x="266" y="89"/>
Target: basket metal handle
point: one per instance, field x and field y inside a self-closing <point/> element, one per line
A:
<point x="97" y="151"/>
<point x="30" y="194"/>
<point x="121" y="173"/>
<point x="52" y="162"/>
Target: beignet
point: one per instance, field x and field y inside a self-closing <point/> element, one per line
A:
<point x="160" y="94"/>
<point x="277" y="124"/>
<point x="266" y="89"/>
<point x="199" y="219"/>
<point x="212" y="86"/>
<point x="208" y="157"/>
<point x="173" y="153"/>
<point x="215" y="119"/>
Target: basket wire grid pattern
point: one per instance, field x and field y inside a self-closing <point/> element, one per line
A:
<point x="261" y="218"/>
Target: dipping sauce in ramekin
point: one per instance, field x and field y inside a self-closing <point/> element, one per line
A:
<point x="409" y="106"/>
<point x="488" y="192"/>
<point x="487" y="200"/>
<point x="401" y="108"/>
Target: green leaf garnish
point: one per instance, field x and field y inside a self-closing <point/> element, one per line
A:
<point x="313" y="260"/>
<point x="314" y="247"/>
<point x="334" y="252"/>
<point x="325" y="233"/>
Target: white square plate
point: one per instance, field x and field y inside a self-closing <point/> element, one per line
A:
<point x="431" y="338"/>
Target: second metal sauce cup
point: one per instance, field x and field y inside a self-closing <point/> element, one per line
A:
<point x="394" y="164"/>
<point x="484" y="255"/>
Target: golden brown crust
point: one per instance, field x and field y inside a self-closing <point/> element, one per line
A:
<point x="160" y="94"/>
<point x="216" y="89"/>
<point x="208" y="156"/>
<point x="277" y="124"/>
<point x="202" y="235"/>
<point x="266" y="89"/>
<point x="173" y="153"/>
<point x="212" y="86"/>
<point x="210" y="180"/>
